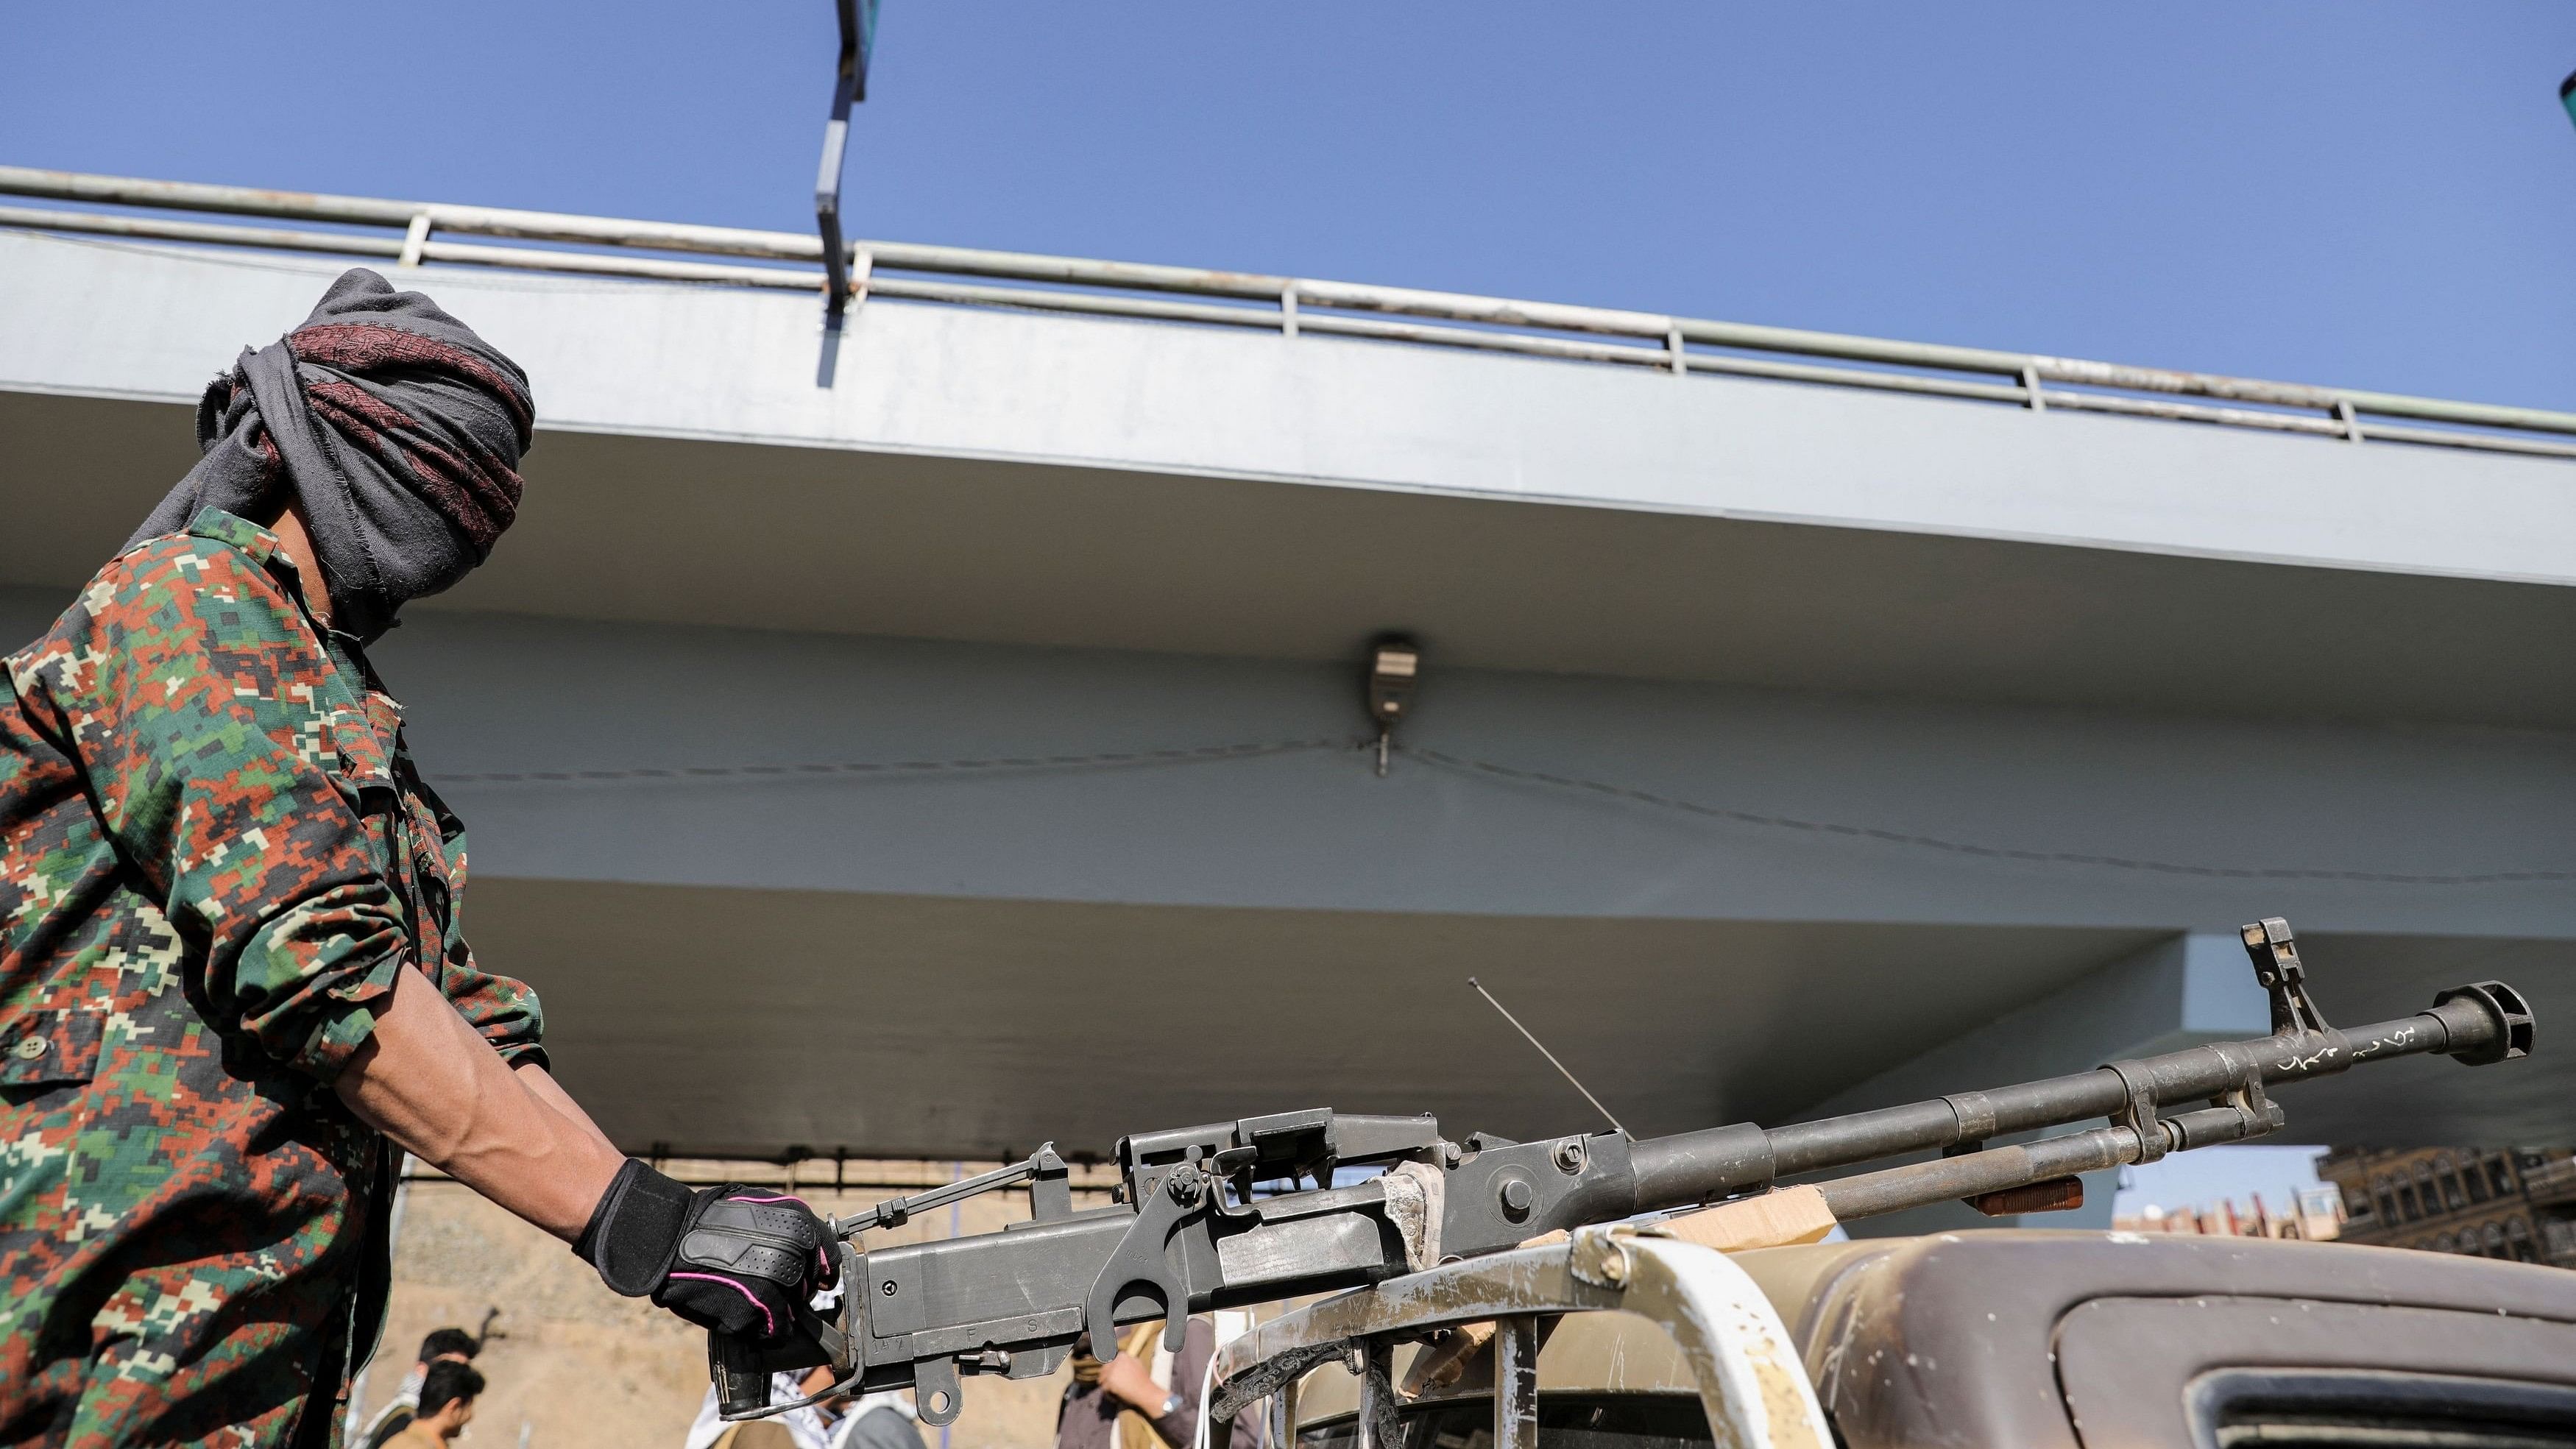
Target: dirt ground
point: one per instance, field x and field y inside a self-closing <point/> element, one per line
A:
<point x="574" y="1366"/>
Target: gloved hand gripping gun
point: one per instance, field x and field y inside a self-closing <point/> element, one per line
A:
<point x="1188" y="1234"/>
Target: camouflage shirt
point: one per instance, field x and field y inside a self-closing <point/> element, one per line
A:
<point x="214" y="856"/>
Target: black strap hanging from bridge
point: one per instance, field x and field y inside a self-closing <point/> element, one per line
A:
<point x="849" y="85"/>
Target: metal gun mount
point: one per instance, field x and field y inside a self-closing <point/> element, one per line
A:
<point x="1188" y="1232"/>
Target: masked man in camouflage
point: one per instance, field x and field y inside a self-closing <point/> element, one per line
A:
<point x="233" y="979"/>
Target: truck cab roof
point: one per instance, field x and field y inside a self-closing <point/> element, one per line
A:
<point x="2023" y="1338"/>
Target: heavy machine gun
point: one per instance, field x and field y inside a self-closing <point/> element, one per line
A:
<point x="1188" y="1232"/>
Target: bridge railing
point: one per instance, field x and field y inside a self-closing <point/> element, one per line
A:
<point x="412" y="233"/>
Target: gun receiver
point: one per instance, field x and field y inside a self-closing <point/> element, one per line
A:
<point x="1189" y="1233"/>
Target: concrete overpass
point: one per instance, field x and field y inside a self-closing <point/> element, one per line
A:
<point x="966" y="752"/>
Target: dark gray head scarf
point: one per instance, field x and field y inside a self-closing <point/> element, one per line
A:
<point x="395" y="426"/>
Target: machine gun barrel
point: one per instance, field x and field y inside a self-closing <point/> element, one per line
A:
<point x="2475" y="1023"/>
<point x="1190" y="1233"/>
<point x="1974" y="1175"/>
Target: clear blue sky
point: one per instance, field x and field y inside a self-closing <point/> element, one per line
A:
<point x="2199" y="1179"/>
<point x="2373" y="194"/>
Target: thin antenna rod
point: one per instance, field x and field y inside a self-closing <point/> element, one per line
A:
<point x="1551" y="1057"/>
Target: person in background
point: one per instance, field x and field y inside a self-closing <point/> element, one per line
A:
<point x="880" y="1421"/>
<point x="444" y="1345"/>
<point x="1145" y="1398"/>
<point x="806" y="1428"/>
<point x="447" y="1395"/>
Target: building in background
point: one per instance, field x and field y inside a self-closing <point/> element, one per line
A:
<point x="2494" y="1203"/>
<point x="2517" y="1205"/>
<point x="2316" y="1216"/>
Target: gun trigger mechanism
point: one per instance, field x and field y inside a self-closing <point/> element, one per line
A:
<point x="1143" y="1258"/>
<point x="2276" y="965"/>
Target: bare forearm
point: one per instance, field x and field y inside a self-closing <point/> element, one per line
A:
<point x="1137" y="1390"/>
<point x="440" y="1092"/>
<point x="542" y="1085"/>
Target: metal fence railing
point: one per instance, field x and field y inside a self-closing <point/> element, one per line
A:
<point x="412" y="233"/>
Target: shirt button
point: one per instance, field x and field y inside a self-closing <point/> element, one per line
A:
<point x="31" y="1048"/>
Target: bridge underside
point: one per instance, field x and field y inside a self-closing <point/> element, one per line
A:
<point x="768" y="536"/>
<point x="965" y="757"/>
<point x="943" y="1026"/>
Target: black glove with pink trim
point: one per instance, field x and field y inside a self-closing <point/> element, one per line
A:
<point x="735" y="1259"/>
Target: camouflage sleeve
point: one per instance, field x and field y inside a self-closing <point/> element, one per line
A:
<point x="505" y="1011"/>
<point x="194" y="697"/>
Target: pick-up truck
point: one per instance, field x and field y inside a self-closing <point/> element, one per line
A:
<point x="1624" y="1338"/>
